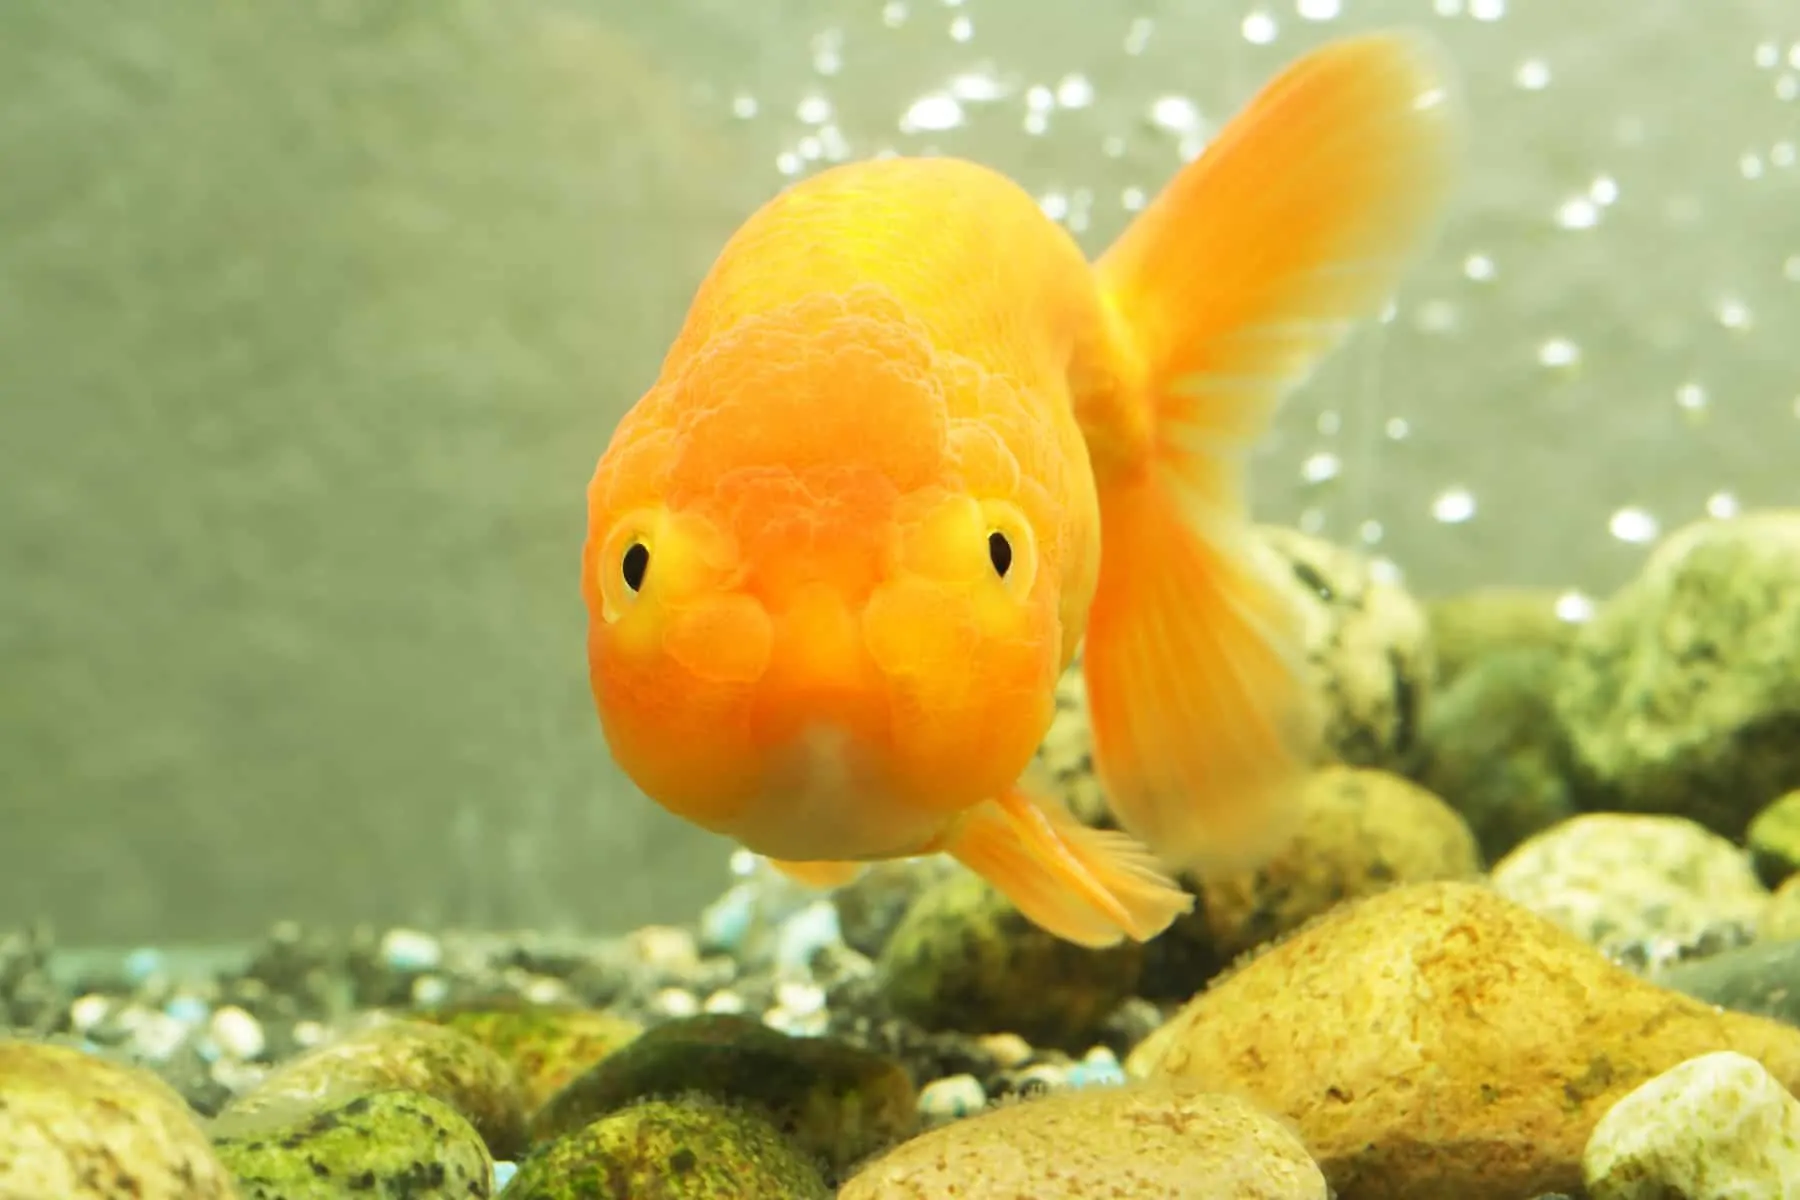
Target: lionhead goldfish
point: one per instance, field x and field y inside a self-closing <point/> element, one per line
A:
<point x="911" y="452"/>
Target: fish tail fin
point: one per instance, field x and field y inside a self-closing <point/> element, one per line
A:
<point x="1222" y="296"/>
<point x="1093" y="887"/>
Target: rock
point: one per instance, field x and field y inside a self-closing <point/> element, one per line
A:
<point x="1781" y="916"/>
<point x="1774" y="839"/>
<point x="692" y="1149"/>
<point x="1139" y="1142"/>
<point x="384" y="1054"/>
<point x="1359" y="831"/>
<point x="1717" y="1127"/>
<point x="871" y="907"/>
<point x="965" y="959"/>
<point x="385" y="1146"/>
<point x="1468" y="627"/>
<point x="1763" y="979"/>
<point x="1642" y="889"/>
<point x="1368" y="643"/>
<point x="1439" y="1040"/>
<point x="1682" y="695"/>
<point x="1492" y="748"/>
<point x="546" y="1047"/>
<point x="832" y="1099"/>
<point x="78" y="1127"/>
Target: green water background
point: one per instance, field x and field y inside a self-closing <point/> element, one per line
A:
<point x="314" y="316"/>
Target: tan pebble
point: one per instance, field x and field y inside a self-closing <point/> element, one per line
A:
<point x="1439" y="1040"/>
<point x="77" y="1127"/>
<point x="1157" y="1141"/>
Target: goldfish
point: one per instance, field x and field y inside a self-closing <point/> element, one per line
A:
<point x="912" y="455"/>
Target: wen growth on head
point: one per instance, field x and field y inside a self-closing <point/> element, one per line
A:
<point x="910" y="450"/>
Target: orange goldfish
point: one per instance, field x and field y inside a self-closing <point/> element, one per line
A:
<point x="911" y="455"/>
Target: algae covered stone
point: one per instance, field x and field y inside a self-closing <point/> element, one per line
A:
<point x="545" y="1046"/>
<point x="1717" y="1127"/>
<point x="964" y="958"/>
<point x="1492" y="747"/>
<point x="384" y="1054"/>
<point x="386" y="1146"/>
<point x="1142" y="1141"/>
<point x="1367" y="641"/>
<point x="1763" y="978"/>
<point x="1774" y="839"/>
<point x="1469" y="627"/>
<point x="832" y="1099"/>
<point x="1440" y="1040"/>
<point x="691" y="1149"/>
<point x="1642" y="888"/>
<point x="75" y="1126"/>
<point x="1682" y="695"/>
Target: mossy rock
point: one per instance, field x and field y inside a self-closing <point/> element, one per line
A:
<point x="395" y="1145"/>
<point x="834" y="1100"/>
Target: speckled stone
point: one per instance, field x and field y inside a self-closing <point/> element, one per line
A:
<point x="1774" y="839"/>
<point x="832" y="1099"/>
<point x="385" y="1146"/>
<point x="1369" y="645"/>
<point x="965" y="959"/>
<point x="1717" y="1127"/>
<point x="1682" y="695"/>
<point x="691" y="1149"/>
<point x="75" y="1126"/>
<point x="1438" y="1040"/>
<point x="1492" y="747"/>
<point x="1139" y="1142"/>
<point x="386" y="1054"/>
<point x="1358" y="831"/>
<point x="1643" y="889"/>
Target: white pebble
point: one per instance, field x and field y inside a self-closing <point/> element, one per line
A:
<point x="237" y="1033"/>
<point x="410" y="950"/>
<point x="724" y="1001"/>
<point x="953" y="1096"/>
<point x="675" y="1002"/>
<point x="430" y="990"/>
<point x="88" y="1012"/>
<point x="801" y="999"/>
<point x="1716" y="1127"/>
<point x="1007" y="1049"/>
<point x="667" y="948"/>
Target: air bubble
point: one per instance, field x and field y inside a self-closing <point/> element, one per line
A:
<point x="1259" y="27"/>
<point x="1634" y="525"/>
<point x="1454" y="506"/>
<point x="1558" y="352"/>
<point x="1533" y="75"/>
<point x="1479" y="267"/>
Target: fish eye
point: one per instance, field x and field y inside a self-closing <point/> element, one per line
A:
<point x="635" y="563"/>
<point x="1000" y="553"/>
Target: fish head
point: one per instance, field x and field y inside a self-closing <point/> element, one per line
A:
<point x="822" y="619"/>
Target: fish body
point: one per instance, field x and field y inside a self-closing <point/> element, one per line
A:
<point x="911" y="451"/>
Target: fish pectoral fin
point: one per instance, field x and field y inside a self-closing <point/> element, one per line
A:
<point x="819" y="874"/>
<point x="1092" y="887"/>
